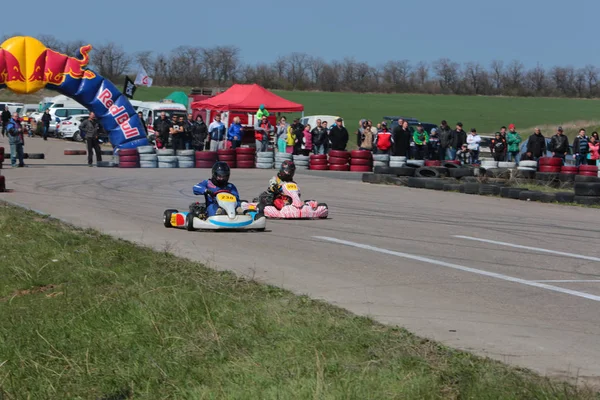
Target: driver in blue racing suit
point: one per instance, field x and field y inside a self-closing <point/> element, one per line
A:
<point x="218" y="182"/>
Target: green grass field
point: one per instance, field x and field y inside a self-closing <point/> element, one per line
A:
<point x="84" y="316"/>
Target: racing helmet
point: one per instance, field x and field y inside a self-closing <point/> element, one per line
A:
<point x="287" y="171"/>
<point x="220" y="174"/>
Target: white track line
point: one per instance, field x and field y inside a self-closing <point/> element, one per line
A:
<point x="518" y="246"/>
<point x="461" y="268"/>
<point x="569" y="281"/>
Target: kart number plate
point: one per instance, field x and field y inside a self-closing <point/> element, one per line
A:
<point x="226" y="197"/>
<point x="292" y="187"/>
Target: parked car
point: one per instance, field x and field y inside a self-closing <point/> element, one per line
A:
<point x="484" y="147"/>
<point x="569" y="160"/>
<point x="61" y="114"/>
<point x="312" y="120"/>
<point x="69" y="128"/>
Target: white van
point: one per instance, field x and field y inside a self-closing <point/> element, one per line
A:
<point x="12" y="107"/>
<point x="151" y="110"/>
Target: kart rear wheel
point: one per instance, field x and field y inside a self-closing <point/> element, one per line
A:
<point x="167" y="218"/>
<point x="189" y="222"/>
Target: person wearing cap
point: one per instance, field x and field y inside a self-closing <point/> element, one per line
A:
<point x="581" y="147"/>
<point x="338" y="136"/>
<point x="384" y="140"/>
<point x="473" y="141"/>
<point x="536" y="145"/>
<point x="433" y="146"/>
<point x="445" y="134"/>
<point x="262" y="112"/>
<point x="513" y="139"/>
<point x="420" y="138"/>
<point x="559" y="144"/>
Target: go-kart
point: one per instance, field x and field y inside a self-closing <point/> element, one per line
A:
<point x="288" y="205"/>
<point x="226" y="217"/>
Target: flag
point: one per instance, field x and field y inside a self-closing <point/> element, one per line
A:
<point x="142" y="78"/>
<point x="129" y="88"/>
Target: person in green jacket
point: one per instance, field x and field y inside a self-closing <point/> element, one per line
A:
<point x="421" y="138"/>
<point x="513" y="140"/>
<point x="262" y="112"/>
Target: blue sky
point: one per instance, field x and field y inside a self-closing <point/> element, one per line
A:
<point x="549" y="32"/>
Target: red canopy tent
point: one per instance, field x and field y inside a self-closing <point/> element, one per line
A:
<point x="247" y="98"/>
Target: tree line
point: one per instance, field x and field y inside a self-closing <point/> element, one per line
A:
<point x="222" y="66"/>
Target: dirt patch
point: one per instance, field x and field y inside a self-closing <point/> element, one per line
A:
<point x="34" y="290"/>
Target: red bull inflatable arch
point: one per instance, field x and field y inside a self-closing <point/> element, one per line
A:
<point x="26" y="66"/>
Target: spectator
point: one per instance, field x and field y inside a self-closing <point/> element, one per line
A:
<point x="326" y="144"/>
<point x="319" y="137"/>
<point x="433" y="146"/>
<point x="401" y="144"/>
<point x="498" y="147"/>
<point x="282" y="133"/>
<point x="457" y="139"/>
<point x="420" y="138"/>
<point x="188" y="125"/>
<point x="473" y="142"/>
<point x="367" y="138"/>
<point x="445" y="134"/>
<point x="141" y="117"/>
<point x="290" y="140"/>
<point x="362" y="125"/>
<point x="15" y="140"/>
<point x="91" y="128"/>
<point x="514" y="141"/>
<point x="261" y="134"/>
<point x="216" y="131"/>
<point x="503" y="132"/>
<point x="297" y="129"/>
<point x="306" y="145"/>
<point x="177" y="133"/>
<point x="594" y="153"/>
<point x="199" y="133"/>
<point x="162" y="127"/>
<point x="384" y="140"/>
<point x="536" y="145"/>
<point x="262" y="112"/>
<point x="234" y="133"/>
<point x="338" y="136"/>
<point x="559" y="144"/>
<point x="378" y="127"/>
<point x="581" y="148"/>
<point x="463" y="154"/>
<point x="46" y="119"/>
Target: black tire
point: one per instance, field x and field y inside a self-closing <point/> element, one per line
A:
<point x="525" y="174"/>
<point x="106" y="164"/>
<point x="426" y="172"/>
<point x="382" y="170"/>
<point x="434" y="184"/>
<point x="529" y="195"/>
<point x="565" y="197"/>
<point x="451" y="187"/>
<point x="106" y="152"/>
<point x="450" y="165"/>
<point x="513" y="193"/>
<point x="460" y="172"/>
<point x="504" y="192"/>
<point x="471" y="188"/>
<point x="467" y="179"/>
<point x="587" y="200"/>
<point x="487" y="190"/>
<point x="372" y="178"/>
<point x="167" y="218"/>
<point x="547" y="176"/>
<point x="36" y="156"/>
<point x="442" y="170"/>
<point x="566" y="177"/>
<point x="587" y="189"/>
<point x="417" y="183"/>
<point x="547" y="197"/>
<point x="498" y="173"/>
<point x="586" y="179"/>
<point x="189" y="222"/>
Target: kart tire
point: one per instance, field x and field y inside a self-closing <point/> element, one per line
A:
<point x="318" y="157"/>
<point x="563" y="177"/>
<point x="317" y="167"/>
<point x="586" y="178"/>
<point x="206" y="156"/>
<point x="588" y="168"/>
<point x="565" y="197"/>
<point x="148" y="164"/>
<point x="471" y="188"/>
<point x="245" y="164"/>
<point x="148" y="157"/>
<point x="361" y="161"/>
<point x="528" y="164"/>
<point x="529" y="195"/>
<point x="129" y="164"/>
<point x="167" y="159"/>
<point x="569" y="169"/>
<point x="70" y="152"/>
<point x="338" y="160"/>
<point x="547" y="176"/>
<point x="587" y="200"/>
<point x="460" y="172"/>
<point x="426" y="172"/>
<point x="166" y="165"/>
<point x="189" y="222"/>
<point x="339" y="154"/>
<point x="165" y="152"/>
<point x="226" y="152"/>
<point x="339" y="167"/>
<point x="167" y="217"/>
<point x="361" y="168"/>
<point x="204" y="164"/>
<point x="129" y="159"/>
<point x="105" y="164"/>
<point x="361" y="155"/>
<point x="264" y="165"/>
<point x="507" y="164"/>
<point x="433" y="163"/>
<point x="318" y="161"/>
<point x="246" y="151"/>
<point x="396" y="164"/>
<point x="587" y="189"/>
<point x="228" y="157"/>
<point x="550" y="161"/>
<point x="186" y="164"/>
<point x="525" y="173"/>
<point x="450" y="165"/>
<point x="549" y="168"/>
<point x="36" y="156"/>
<point x="245" y="157"/>
<point x="146" y="150"/>
<point x="383" y="157"/>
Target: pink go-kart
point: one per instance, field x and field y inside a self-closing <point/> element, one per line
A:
<point x="288" y="205"/>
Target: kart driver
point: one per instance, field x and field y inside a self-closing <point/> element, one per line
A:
<point x="208" y="188"/>
<point x="268" y="198"/>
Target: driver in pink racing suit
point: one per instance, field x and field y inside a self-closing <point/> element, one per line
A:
<point x="269" y="197"/>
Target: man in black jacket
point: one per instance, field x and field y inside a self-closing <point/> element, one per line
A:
<point x="319" y="137"/>
<point x="5" y="119"/>
<point x="536" y="145"/>
<point x="402" y="137"/>
<point x="457" y="139"/>
<point x="46" y="118"/>
<point x="91" y="128"/>
<point x="338" y="136"/>
<point x="559" y="144"/>
<point x="445" y="134"/>
<point x="162" y="127"/>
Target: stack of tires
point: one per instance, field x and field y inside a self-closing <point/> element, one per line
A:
<point x="228" y="156"/>
<point x="381" y="160"/>
<point x="148" y="157"/>
<point x="166" y="158"/>
<point x="397" y="161"/>
<point x="549" y="169"/>
<point x="339" y="160"/>
<point x="587" y="185"/>
<point x="588" y="170"/>
<point x="281" y="157"/>
<point x="526" y="169"/>
<point x="186" y="158"/>
<point x="507" y="164"/>
<point x="361" y="161"/>
<point x="301" y="161"/>
<point x="206" y="159"/>
<point x="318" y="162"/>
<point x="244" y="157"/>
<point x="264" y="159"/>
<point x="129" y="158"/>
<point x="567" y="175"/>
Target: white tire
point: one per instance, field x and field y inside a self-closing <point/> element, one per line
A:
<point x="506" y="164"/>
<point x="148" y="157"/>
<point x="527" y="168"/>
<point x="419" y="163"/>
<point x="381" y="157"/>
<point x="528" y="163"/>
<point x="489" y="164"/>
<point x="185" y="158"/>
<point x="398" y="158"/>
<point x="284" y="156"/>
<point x="191" y="153"/>
<point x="187" y="164"/>
<point x="167" y="165"/>
<point x="148" y="164"/>
<point x="165" y="152"/>
<point x="380" y="163"/>
<point x="167" y="159"/>
<point x="264" y="165"/>
<point x="146" y="150"/>
<point x="396" y="164"/>
<point x="301" y="163"/>
<point x="301" y="158"/>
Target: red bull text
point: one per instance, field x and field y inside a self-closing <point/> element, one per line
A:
<point x="119" y="113"/>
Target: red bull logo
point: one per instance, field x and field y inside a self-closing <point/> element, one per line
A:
<point x="53" y="67"/>
<point x="10" y="69"/>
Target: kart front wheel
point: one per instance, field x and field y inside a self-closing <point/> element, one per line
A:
<point x="167" y="218"/>
<point x="189" y="222"/>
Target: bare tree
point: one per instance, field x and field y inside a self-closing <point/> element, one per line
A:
<point x="591" y="74"/>
<point x="52" y="43"/>
<point x="297" y="67"/>
<point x="536" y="80"/>
<point x="514" y="75"/>
<point x="316" y="65"/>
<point x="227" y="58"/>
<point x="447" y="72"/>
<point x="475" y="76"/>
<point x="498" y="75"/>
<point x="145" y="60"/>
<point x="110" y="60"/>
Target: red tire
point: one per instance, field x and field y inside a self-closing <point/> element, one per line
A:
<point x="318" y="156"/>
<point x="361" y="168"/>
<point x="339" y="154"/>
<point x="128" y="152"/>
<point x="588" y="173"/>
<point x="204" y="164"/>
<point x="228" y="152"/>
<point x="227" y="157"/>
<point x="569" y="169"/>
<point x="319" y="167"/>
<point x="552" y="161"/>
<point x="339" y="167"/>
<point x="245" y="157"/>
<point x="245" y="164"/>
<point x="318" y="162"/>
<point x="129" y="159"/>
<point x="206" y="156"/>
<point x="338" y="160"/>
<point x="245" y="150"/>
<point x="128" y="164"/>
<point x="69" y="152"/>
<point x="232" y="164"/>
<point x="433" y="163"/>
<point x="549" y="168"/>
<point x="361" y="154"/>
<point x="360" y="162"/>
<point x="569" y="172"/>
<point x="588" y="168"/>
<point x="457" y="162"/>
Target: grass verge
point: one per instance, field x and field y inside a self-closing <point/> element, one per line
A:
<point x="87" y="316"/>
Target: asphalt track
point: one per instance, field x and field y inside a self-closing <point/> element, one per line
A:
<point x="427" y="261"/>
